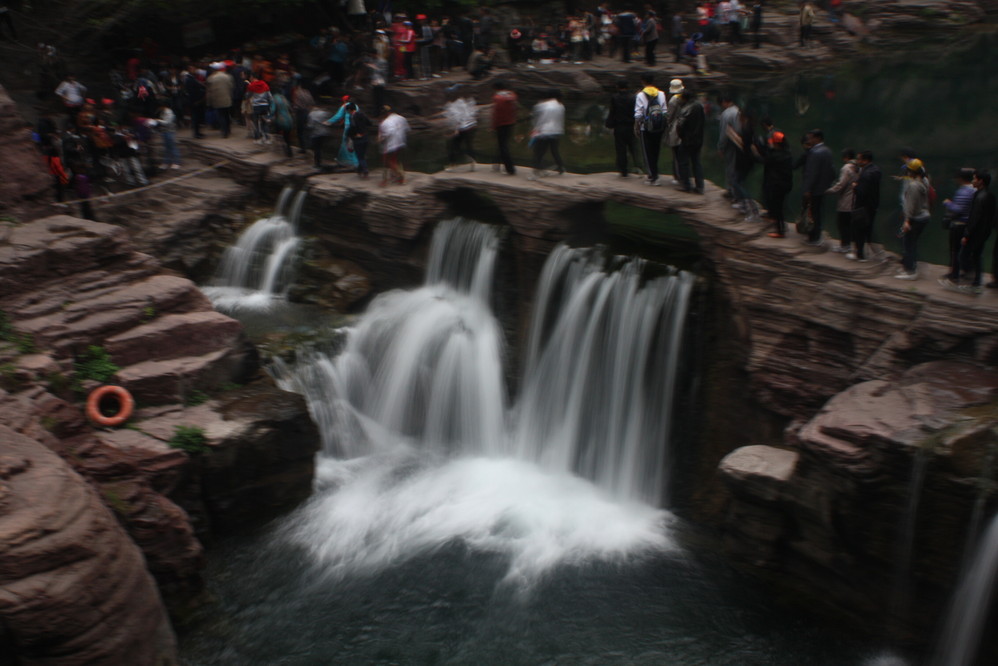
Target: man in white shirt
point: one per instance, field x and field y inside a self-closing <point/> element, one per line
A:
<point x="392" y="133"/>
<point x="73" y="94"/>
<point x="549" y="125"/>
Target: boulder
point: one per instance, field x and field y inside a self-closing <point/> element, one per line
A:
<point x="73" y="587"/>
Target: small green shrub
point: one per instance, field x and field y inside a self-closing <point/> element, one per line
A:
<point x="6" y="328"/>
<point x="26" y="344"/>
<point x="189" y="438"/>
<point x="94" y="364"/>
<point x="148" y="313"/>
<point x="113" y="500"/>
<point x="8" y="377"/>
<point x="57" y="382"/>
<point x="195" y="398"/>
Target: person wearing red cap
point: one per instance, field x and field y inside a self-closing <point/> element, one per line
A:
<point x="777" y="181"/>
<point x="262" y="103"/>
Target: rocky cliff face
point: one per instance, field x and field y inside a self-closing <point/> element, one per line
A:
<point x="877" y="497"/>
<point x="26" y="188"/>
<point x="73" y="587"/>
<point x="67" y="285"/>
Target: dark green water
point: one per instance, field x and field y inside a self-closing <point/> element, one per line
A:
<point x="277" y="606"/>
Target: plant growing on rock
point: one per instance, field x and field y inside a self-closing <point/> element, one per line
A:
<point x="23" y="341"/>
<point x="195" y="398"/>
<point x="189" y="438"/>
<point x="96" y="364"/>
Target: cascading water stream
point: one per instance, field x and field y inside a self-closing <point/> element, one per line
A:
<point x="961" y="637"/>
<point x="901" y="586"/>
<point x="258" y="268"/>
<point x="419" y="446"/>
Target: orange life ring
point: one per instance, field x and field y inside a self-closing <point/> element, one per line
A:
<point x="125" y="405"/>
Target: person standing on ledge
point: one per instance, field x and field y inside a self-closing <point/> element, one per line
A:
<point x="727" y="147"/>
<point x="844" y="205"/>
<point x="867" y="187"/>
<point x="220" y="90"/>
<point x="690" y="126"/>
<point x="915" y="214"/>
<point x="976" y="232"/>
<point x="504" y="109"/>
<point x="620" y="119"/>
<point x="392" y="133"/>
<point x="549" y="125"/>
<point x="819" y="174"/>
<point x="650" y="124"/>
<point x="956" y="216"/>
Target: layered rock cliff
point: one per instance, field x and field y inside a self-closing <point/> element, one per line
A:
<point x="68" y="287"/>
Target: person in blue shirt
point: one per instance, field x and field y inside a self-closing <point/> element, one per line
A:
<point x="957" y="212"/>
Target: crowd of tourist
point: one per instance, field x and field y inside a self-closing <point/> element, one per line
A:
<point x="132" y="133"/>
<point x="968" y="216"/>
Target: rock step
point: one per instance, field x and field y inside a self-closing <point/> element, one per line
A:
<point x="173" y="336"/>
<point x="56" y="247"/>
<point x="91" y="320"/>
<point x="165" y="381"/>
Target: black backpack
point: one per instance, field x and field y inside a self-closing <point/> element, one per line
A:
<point x="654" y="115"/>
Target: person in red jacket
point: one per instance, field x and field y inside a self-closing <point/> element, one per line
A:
<point x="504" y="110"/>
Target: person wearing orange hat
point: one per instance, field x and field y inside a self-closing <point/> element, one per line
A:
<point x="777" y="181"/>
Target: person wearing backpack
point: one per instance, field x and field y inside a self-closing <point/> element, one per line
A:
<point x="650" y="123"/>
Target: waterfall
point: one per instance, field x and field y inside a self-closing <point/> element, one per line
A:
<point x="421" y="449"/>
<point x="258" y="268"/>
<point x="603" y="355"/>
<point x="964" y="626"/>
<point x="901" y="586"/>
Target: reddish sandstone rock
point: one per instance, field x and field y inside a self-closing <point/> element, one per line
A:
<point x="26" y="186"/>
<point x="73" y="587"/>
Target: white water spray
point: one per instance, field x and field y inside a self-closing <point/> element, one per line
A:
<point x="258" y="268"/>
<point x="964" y="627"/>
<point x="420" y="449"/>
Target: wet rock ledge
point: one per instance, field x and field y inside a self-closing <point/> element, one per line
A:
<point x="67" y="285"/>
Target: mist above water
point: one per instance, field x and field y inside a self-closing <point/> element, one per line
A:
<point x="421" y="450"/>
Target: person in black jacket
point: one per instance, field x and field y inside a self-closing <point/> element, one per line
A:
<point x="867" y="188"/>
<point x="196" y="97"/>
<point x="976" y="232"/>
<point x="620" y="119"/>
<point x="777" y="180"/>
<point x="360" y="136"/>
<point x="690" y="126"/>
<point x="819" y="174"/>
